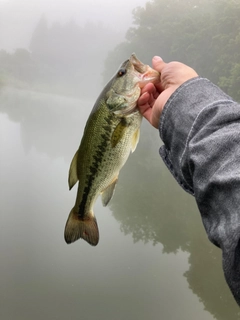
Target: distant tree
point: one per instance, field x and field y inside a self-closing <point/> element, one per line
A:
<point x="17" y="68"/>
<point x="5" y="60"/>
<point x="5" y="66"/>
<point x="23" y="65"/>
<point x="21" y="56"/>
<point x="39" y="43"/>
<point x="62" y="58"/>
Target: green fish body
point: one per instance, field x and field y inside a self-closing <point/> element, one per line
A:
<point x="111" y="133"/>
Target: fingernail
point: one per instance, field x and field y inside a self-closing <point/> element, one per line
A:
<point x="157" y="58"/>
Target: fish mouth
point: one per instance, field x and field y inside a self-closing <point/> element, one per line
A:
<point x="149" y="76"/>
<point x="145" y="73"/>
<point x="142" y="74"/>
<point x="138" y="65"/>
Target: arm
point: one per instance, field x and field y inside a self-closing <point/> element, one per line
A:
<point x="202" y="150"/>
<point x="200" y="128"/>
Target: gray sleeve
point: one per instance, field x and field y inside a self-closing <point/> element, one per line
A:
<point x="200" y="128"/>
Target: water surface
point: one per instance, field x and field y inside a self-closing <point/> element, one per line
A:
<point x="153" y="260"/>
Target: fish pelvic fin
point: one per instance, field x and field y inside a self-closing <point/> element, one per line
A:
<point x="72" y="176"/>
<point x="135" y="140"/>
<point x="77" y="228"/>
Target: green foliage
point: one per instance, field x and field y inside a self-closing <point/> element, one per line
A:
<point x="202" y="33"/>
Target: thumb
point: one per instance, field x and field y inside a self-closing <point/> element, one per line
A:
<point x="158" y="63"/>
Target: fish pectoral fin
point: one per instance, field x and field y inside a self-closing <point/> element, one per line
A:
<point x="72" y="176"/>
<point x="119" y="132"/>
<point x="135" y="139"/>
<point x="108" y="193"/>
<point x="86" y="228"/>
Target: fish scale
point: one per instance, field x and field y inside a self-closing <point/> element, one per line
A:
<point x="95" y="158"/>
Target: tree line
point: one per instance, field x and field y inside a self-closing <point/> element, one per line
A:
<point x="68" y="58"/>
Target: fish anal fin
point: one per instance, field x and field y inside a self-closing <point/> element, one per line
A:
<point x="135" y="139"/>
<point x="72" y="176"/>
<point x="119" y="132"/>
<point x="77" y="228"/>
<point x="107" y="193"/>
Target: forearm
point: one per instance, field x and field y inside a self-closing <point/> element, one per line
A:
<point x="200" y="128"/>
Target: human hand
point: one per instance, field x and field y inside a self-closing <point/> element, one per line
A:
<point x="154" y="97"/>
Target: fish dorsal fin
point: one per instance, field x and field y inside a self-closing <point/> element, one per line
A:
<point x="108" y="192"/>
<point x="135" y="139"/>
<point x="119" y="132"/>
<point x="72" y="176"/>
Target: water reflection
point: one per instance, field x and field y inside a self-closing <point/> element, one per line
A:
<point x="48" y="122"/>
<point x="160" y="212"/>
<point x="126" y="280"/>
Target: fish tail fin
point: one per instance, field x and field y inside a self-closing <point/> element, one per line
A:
<point x="77" y="227"/>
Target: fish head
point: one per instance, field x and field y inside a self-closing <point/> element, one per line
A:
<point x="125" y="87"/>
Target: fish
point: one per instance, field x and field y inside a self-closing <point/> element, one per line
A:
<point x="111" y="133"/>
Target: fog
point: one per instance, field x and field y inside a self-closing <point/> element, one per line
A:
<point x="18" y="18"/>
<point x="80" y="35"/>
<point x="154" y="260"/>
<point x="66" y="47"/>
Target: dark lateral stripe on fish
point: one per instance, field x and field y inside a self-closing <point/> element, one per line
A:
<point x="98" y="156"/>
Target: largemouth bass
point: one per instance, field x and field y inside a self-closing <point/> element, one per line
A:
<point x="111" y="133"/>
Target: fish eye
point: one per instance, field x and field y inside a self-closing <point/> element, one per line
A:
<point x="121" y="72"/>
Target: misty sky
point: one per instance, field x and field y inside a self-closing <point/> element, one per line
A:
<point x="19" y="17"/>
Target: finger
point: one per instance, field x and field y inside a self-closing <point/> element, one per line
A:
<point x="156" y="93"/>
<point x="148" y="88"/>
<point x="143" y="100"/>
<point x="158" y="63"/>
<point x="146" y="111"/>
<point x="159" y="86"/>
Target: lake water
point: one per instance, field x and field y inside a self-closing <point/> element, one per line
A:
<point x="153" y="260"/>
